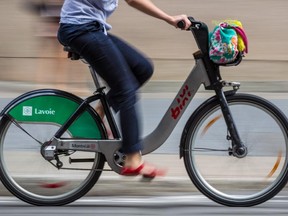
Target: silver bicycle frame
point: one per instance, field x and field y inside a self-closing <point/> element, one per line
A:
<point x="155" y="139"/>
<point x="175" y="111"/>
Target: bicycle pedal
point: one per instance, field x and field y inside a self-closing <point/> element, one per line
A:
<point x="147" y="178"/>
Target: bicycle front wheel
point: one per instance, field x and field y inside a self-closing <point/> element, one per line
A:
<point x="225" y="178"/>
<point x="29" y="122"/>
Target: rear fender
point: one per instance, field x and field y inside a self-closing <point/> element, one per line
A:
<point x="51" y="106"/>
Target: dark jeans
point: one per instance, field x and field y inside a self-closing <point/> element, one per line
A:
<point x="120" y="65"/>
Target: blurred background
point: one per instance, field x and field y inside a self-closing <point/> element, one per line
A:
<point x="31" y="57"/>
<point x="30" y="53"/>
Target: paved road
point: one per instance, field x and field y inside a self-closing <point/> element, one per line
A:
<point x="171" y="205"/>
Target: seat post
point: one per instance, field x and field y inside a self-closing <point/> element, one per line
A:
<point x="95" y="77"/>
<point x="73" y="55"/>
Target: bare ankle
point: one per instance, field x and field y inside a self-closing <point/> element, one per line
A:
<point x="133" y="160"/>
<point x="100" y="110"/>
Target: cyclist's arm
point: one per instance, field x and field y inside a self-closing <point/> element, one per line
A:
<point x="146" y="6"/>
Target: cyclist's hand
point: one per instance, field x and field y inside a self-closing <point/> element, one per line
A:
<point x="183" y="18"/>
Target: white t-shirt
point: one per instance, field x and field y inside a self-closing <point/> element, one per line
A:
<point x="85" y="11"/>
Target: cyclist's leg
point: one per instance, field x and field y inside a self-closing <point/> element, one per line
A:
<point x="142" y="69"/>
<point x="102" y="54"/>
<point x="139" y="64"/>
<point x="108" y="60"/>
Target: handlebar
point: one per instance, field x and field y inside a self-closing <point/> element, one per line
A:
<point x="201" y="35"/>
<point x="200" y="32"/>
<point x="194" y="24"/>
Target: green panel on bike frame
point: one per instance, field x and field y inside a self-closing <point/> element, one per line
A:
<point x="55" y="110"/>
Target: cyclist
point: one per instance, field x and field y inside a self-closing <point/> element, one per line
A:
<point x="83" y="27"/>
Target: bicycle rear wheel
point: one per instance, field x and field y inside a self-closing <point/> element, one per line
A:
<point x="225" y="178"/>
<point x="30" y="121"/>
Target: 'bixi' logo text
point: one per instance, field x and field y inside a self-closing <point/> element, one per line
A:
<point x="28" y="111"/>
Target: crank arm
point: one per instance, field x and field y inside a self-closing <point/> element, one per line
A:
<point x="107" y="147"/>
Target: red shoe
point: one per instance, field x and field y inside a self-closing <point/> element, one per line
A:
<point x="127" y="171"/>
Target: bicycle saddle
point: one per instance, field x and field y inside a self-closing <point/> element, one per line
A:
<point x="73" y="55"/>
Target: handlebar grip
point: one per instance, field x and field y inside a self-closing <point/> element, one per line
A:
<point x="181" y="24"/>
<point x="194" y="24"/>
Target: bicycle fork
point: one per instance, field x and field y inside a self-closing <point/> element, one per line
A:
<point x="238" y="149"/>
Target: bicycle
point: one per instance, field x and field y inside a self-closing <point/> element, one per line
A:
<point x="234" y="145"/>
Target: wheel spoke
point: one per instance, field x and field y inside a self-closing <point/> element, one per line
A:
<point x="234" y="181"/>
<point x="11" y="119"/>
<point x="23" y="169"/>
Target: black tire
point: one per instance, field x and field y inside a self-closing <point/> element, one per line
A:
<point x="224" y="178"/>
<point x="23" y="170"/>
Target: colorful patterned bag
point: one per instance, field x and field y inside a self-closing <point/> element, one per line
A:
<point x="226" y="41"/>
